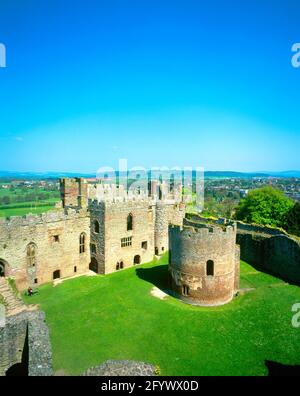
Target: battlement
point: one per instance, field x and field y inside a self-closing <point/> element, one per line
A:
<point x="195" y="227"/>
<point x="120" y="203"/>
<point x="47" y="217"/>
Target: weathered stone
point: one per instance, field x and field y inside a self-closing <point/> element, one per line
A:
<point x="204" y="262"/>
<point x="121" y="368"/>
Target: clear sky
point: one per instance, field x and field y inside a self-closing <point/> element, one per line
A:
<point x="159" y="82"/>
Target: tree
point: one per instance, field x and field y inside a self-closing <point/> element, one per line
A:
<point x="266" y="206"/>
<point x="293" y="220"/>
<point x="6" y="200"/>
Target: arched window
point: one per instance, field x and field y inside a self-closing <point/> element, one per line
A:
<point x="2" y="268"/>
<point x="31" y="255"/>
<point x="129" y="222"/>
<point x="120" y="265"/>
<point x="96" y="227"/>
<point x="210" y="268"/>
<point x="82" y="243"/>
<point x="94" y="265"/>
<point x="185" y="290"/>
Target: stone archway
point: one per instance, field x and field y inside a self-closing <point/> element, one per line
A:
<point x="94" y="265"/>
<point x="3" y="268"/>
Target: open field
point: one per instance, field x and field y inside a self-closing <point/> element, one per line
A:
<point x="96" y="318"/>
<point x="23" y="208"/>
<point x="21" y="211"/>
<point x="19" y="201"/>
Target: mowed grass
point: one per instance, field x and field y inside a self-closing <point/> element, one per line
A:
<point x="92" y="319"/>
<point x="8" y="212"/>
<point x="23" y="208"/>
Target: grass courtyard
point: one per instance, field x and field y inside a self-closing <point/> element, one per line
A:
<point x="96" y="318"/>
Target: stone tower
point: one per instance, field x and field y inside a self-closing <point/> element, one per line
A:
<point x="74" y="192"/>
<point x="204" y="262"/>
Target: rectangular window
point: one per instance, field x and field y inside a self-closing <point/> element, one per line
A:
<point x="75" y="269"/>
<point x="144" y="245"/>
<point x="55" y="238"/>
<point x="35" y="281"/>
<point x="126" y="242"/>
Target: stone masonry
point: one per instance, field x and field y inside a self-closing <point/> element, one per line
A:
<point x="204" y="262"/>
<point x="90" y="231"/>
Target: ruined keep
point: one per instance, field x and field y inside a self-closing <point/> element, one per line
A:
<point x="129" y="229"/>
<point x="204" y="262"/>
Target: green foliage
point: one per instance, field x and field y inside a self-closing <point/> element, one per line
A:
<point x="2" y="301"/>
<point x="293" y="220"/>
<point x="266" y="206"/>
<point x="22" y="211"/>
<point x="13" y="286"/>
<point x="96" y="318"/>
<point x="21" y="200"/>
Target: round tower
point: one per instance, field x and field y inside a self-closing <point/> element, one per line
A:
<point x="161" y="228"/>
<point x="203" y="263"/>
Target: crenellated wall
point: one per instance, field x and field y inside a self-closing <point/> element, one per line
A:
<point x="112" y="220"/>
<point x="270" y="249"/>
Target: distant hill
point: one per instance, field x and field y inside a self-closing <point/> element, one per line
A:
<point x="42" y="175"/>
<point x="208" y="174"/>
<point x="290" y="173"/>
<point x="226" y="174"/>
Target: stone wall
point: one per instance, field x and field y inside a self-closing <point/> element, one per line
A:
<point x="24" y="340"/>
<point x="74" y="192"/>
<point x="270" y="250"/>
<point x="97" y="214"/>
<point x="55" y="237"/>
<point x="122" y="368"/>
<point x="13" y="338"/>
<point x="39" y="346"/>
<point x="112" y="219"/>
<point x="166" y="213"/>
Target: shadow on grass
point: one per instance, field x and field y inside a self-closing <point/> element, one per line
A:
<point x="278" y="369"/>
<point x="157" y="275"/>
<point x="262" y="269"/>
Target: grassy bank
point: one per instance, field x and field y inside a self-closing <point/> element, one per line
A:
<point x="93" y="319"/>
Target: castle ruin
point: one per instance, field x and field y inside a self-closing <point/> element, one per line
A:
<point x="100" y="227"/>
<point x="204" y="262"/>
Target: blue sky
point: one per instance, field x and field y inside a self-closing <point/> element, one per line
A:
<point x="161" y="83"/>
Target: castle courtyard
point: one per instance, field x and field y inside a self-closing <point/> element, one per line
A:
<point x="96" y="318"/>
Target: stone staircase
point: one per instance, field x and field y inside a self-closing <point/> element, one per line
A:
<point x="13" y="304"/>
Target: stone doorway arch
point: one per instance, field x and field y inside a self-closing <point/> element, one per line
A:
<point x="94" y="265"/>
<point x="3" y="268"/>
<point x="137" y="259"/>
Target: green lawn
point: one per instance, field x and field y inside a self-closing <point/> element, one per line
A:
<point x="23" y="208"/>
<point x="92" y="319"/>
